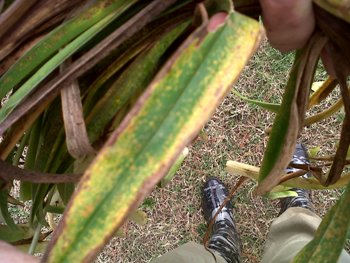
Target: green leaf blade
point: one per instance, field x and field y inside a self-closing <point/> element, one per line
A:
<point x="273" y="107"/>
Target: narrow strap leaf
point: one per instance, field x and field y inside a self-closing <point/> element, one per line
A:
<point x="265" y="105"/>
<point x="290" y="119"/>
<point x="77" y="140"/>
<point x="326" y="88"/>
<point x="324" y="114"/>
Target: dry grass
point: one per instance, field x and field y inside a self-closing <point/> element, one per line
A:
<point x="235" y="132"/>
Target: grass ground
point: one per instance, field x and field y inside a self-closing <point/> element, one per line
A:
<point x="235" y="132"/>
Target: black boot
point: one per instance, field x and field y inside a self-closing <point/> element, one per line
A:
<point x="303" y="198"/>
<point x="224" y="239"/>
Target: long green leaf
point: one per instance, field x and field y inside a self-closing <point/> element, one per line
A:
<point x="33" y="145"/>
<point x="52" y="64"/>
<point x="38" y="196"/>
<point x="52" y="128"/>
<point x="290" y="119"/>
<point x="265" y="105"/>
<point x="57" y="39"/>
<point x="169" y="114"/>
<point x="282" y="123"/>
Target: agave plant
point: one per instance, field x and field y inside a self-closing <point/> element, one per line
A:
<point x="101" y="97"/>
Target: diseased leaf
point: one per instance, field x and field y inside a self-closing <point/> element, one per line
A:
<point x="78" y="143"/>
<point x="242" y="169"/>
<point x="290" y="119"/>
<point x="18" y="129"/>
<point x="143" y="39"/>
<point x="342" y="71"/>
<point x="167" y="116"/>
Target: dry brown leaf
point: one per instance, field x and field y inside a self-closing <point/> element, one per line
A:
<point x="77" y="140"/>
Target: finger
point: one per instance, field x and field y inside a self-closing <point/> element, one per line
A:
<point x="288" y="23"/>
<point x="216" y="21"/>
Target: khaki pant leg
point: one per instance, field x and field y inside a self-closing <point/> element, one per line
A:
<point x="189" y="253"/>
<point x="289" y="233"/>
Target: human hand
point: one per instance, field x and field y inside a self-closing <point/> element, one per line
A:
<point x="288" y="23"/>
